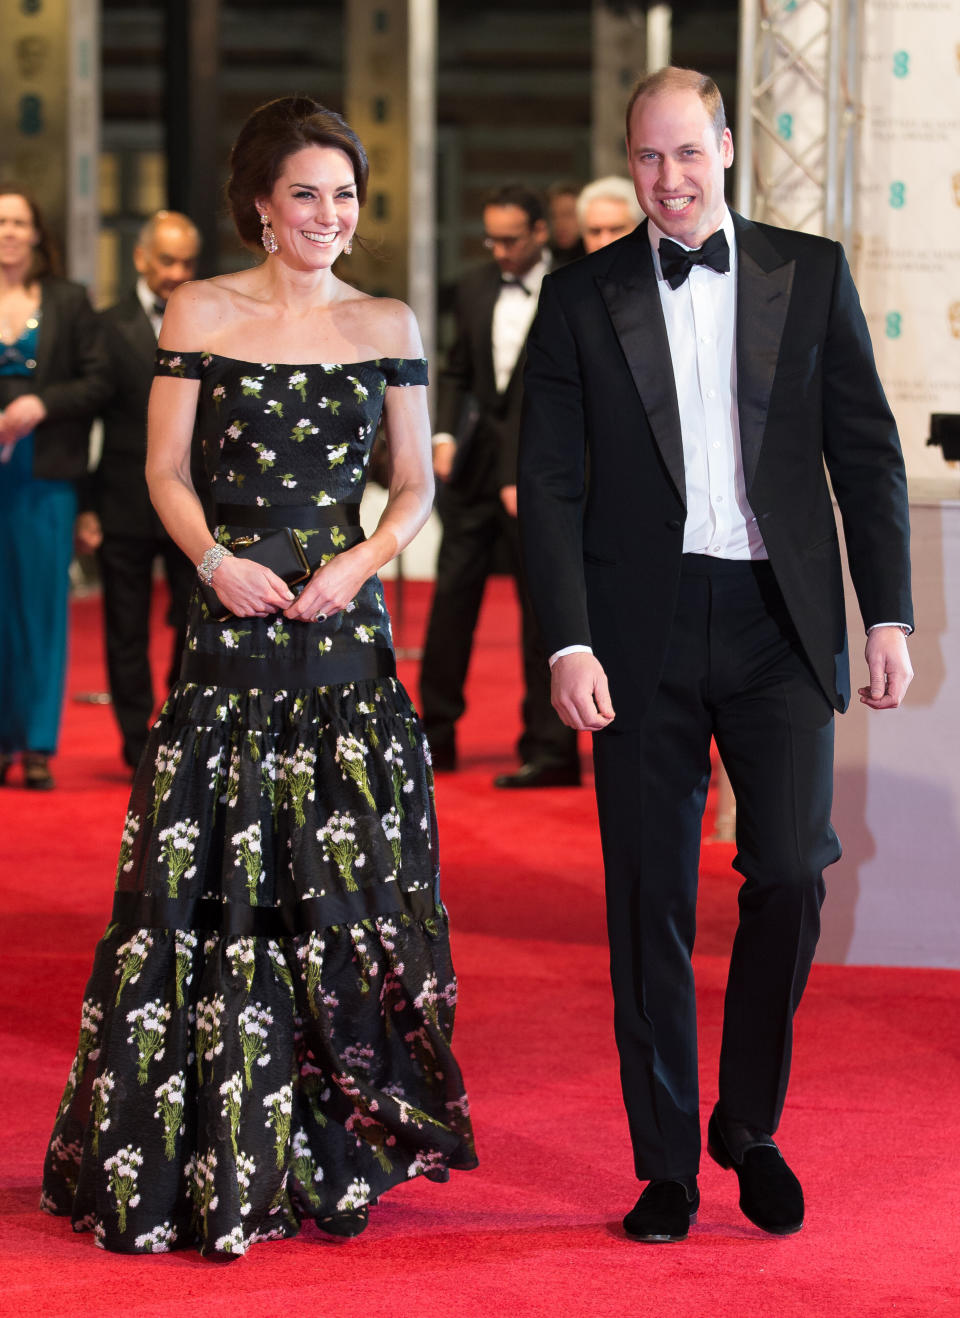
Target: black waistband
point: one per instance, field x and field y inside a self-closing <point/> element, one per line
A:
<point x="141" y="910"/>
<point x="305" y="515"/>
<point x="706" y="565"/>
<point x="243" y="674"/>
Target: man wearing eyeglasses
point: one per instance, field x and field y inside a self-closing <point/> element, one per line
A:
<point x="475" y="461"/>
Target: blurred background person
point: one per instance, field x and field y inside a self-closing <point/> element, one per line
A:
<point x="565" y="241"/>
<point x="607" y="209"/>
<point x="475" y="460"/>
<point x="52" y="379"/>
<point x="119" y="520"/>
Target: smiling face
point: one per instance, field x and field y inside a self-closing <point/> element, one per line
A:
<point x="169" y="258"/>
<point x="18" y="234"/>
<point x="677" y="164"/>
<point x="313" y="208"/>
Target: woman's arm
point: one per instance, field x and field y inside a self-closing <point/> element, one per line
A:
<point x="247" y="589"/>
<point x="410" y="490"/>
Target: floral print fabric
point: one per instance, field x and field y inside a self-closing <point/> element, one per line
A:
<point x="266" y="1033"/>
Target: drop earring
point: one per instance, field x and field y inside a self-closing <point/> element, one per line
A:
<point x="267" y="236"/>
<point x="348" y="247"/>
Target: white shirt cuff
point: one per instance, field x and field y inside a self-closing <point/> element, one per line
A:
<point x="907" y="630"/>
<point x="569" y="649"/>
<point x="443" y="438"/>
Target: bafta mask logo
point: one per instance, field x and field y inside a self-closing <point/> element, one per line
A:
<point x="32" y="54"/>
<point x="953" y="312"/>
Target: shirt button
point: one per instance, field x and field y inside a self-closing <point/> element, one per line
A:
<point x="711" y="393"/>
<point x="716" y="443"/>
<point x="719" y="499"/>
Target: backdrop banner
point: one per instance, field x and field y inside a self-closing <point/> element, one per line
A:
<point x="907" y="247"/>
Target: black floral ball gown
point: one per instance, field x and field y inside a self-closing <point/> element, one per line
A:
<point x="266" y="1032"/>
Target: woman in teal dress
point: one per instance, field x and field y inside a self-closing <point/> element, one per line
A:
<point x="266" y="1032"/>
<point x="51" y="381"/>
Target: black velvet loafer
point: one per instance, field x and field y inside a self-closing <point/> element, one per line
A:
<point x="347" y="1224"/>
<point x="663" y="1212"/>
<point x="770" y="1195"/>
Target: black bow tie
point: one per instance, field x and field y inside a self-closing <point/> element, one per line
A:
<point x="676" y="262"/>
<point x="507" y="281"/>
<point x="159" y="307"/>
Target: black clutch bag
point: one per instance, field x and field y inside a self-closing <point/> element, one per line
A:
<point x="280" y="551"/>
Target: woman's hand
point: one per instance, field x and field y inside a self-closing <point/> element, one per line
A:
<point x="333" y="586"/>
<point x="22" y="415"/>
<point x="250" y="590"/>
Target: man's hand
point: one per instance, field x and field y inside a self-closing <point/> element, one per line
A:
<point x="87" y="533"/>
<point x="508" y="497"/>
<point x="580" y="693"/>
<point x="443" y="454"/>
<point x="891" y="671"/>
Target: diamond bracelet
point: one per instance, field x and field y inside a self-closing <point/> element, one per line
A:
<point x="211" y="560"/>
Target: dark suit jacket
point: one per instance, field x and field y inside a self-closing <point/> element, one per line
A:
<point x="486" y="423"/>
<point x="120" y="493"/>
<point x="70" y="379"/>
<point x="603" y="555"/>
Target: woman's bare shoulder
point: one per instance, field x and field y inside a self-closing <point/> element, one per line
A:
<point x="389" y="324"/>
<point x="196" y="310"/>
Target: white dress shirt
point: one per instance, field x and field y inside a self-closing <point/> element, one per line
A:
<point x="513" y="314"/>
<point x="148" y="302"/>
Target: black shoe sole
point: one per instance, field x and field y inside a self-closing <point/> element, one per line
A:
<point x="659" y="1239"/>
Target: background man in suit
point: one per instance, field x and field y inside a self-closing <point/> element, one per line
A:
<point x="122" y="521"/>
<point x="475" y="459"/>
<point x="689" y="583"/>
<point x="607" y="209"/>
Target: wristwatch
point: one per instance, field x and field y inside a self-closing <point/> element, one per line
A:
<point x="211" y="561"/>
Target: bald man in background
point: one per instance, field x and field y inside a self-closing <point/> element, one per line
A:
<point x="119" y="520"/>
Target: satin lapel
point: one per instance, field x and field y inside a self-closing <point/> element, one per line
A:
<point x="764" y="284"/>
<point x="630" y="292"/>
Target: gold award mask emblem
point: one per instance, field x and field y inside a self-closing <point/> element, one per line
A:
<point x="953" y="312"/>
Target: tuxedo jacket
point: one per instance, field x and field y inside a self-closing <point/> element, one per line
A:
<point x="70" y="379"/>
<point x="484" y="421"/>
<point x="602" y="491"/>
<point x="120" y="493"/>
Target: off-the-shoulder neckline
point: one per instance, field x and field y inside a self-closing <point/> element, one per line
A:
<point x="293" y="366"/>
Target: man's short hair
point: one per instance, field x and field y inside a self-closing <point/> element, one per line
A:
<point x="611" y="188"/>
<point x="676" y="79"/>
<point x="518" y="194"/>
<point x="148" y="230"/>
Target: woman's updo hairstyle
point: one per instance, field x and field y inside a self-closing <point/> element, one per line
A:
<point x="272" y="133"/>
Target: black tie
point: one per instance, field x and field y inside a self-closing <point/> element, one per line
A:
<point x="676" y="262"/>
<point x="506" y="281"/>
<point x="159" y="307"/>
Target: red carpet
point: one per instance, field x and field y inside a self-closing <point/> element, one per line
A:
<point x="872" y="1124"/>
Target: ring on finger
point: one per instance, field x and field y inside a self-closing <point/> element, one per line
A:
<point x="319" y="617"/>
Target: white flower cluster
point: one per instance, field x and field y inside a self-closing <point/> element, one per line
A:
<point x="246" y="1167"/>
<point x="281" y="1102"/>
<point x="231" y="1091"/>
<point x="254" y="1020"/>
<point x="358" y="1194"/>
<point x="91" y="1016"/>
<point x="350" y="750"/>
<point x="337" y="830"/>
<point x="168" y="757"/>
<point x="209" y="1012"/>
<point x="182" y="836"/>
<point x="157" y="1241"/>
<point x="151" y="1019"/>
<point x="124" y="1166"/>
<point x="173" y="1091"/>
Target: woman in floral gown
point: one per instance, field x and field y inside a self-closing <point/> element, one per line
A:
<point x="266" y="1032"/>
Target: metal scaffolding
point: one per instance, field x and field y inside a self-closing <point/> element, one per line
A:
<point x="798" y="93"/>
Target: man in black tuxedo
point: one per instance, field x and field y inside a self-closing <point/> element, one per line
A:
<point x="475" y="459"/>
<point x="122" y="519"/>
<point x="684" y="388"/>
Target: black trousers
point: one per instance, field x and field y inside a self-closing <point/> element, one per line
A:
<point x="126" y="567"/>
<point x="734" y="670"/>
<point x="478" y="533"/>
